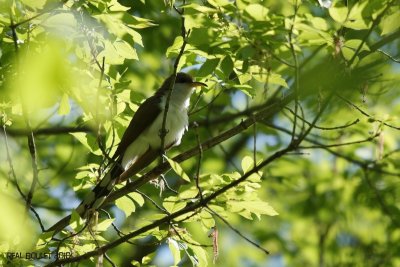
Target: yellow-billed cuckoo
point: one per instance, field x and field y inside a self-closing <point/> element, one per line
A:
<point x="140" y="144"/>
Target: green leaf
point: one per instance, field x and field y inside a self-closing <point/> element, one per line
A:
<point x="175" y="48"/>
<point x="247" y="164"/>
<point x="207" y="220"/>
<point x="37" y="4"/>
<point x="174" y="248"/>
<point x="339" y="13"/>
<point x="227" y="65"/>
<point x="275" y="78"/>
<point x="114" y="5"/>
<point x="135" y="263"/>
<point x="117" y="27"/>
<point x="65" y="22"/>
<point x="188" y="191"/>
<point x="391" y="23"/>
<point x="64" y="108"/>
<point x="208" y="67"/>
<point x="126" y="205"/>
<point x="219" y="3"/>
<point x="350" y="46"/>
<point x="76" y="222"/>
<point x="245" y="88"/>
<point x="137" y="197"/>
<point x="256" y="207"/>
<point x="355" y="19"/>
<point x="200" y="8"/>
<point x="201" y="255"/>
<point x="178" y="169"/>
<point x="88" y="141"/>
<point x="257" y="12"/>
<point x="138" y="22"/>
<point x="173" y="204"/>
<point x="102" y="226"/>
<point x="125" y="49"/>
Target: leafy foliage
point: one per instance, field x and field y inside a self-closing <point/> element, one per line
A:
<point x="313" y="181"/>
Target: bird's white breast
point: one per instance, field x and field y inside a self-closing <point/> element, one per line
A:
<point x="176" y="124"/>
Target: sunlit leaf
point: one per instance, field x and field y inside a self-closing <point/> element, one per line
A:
<point x="175" y="250"/>
<point x="391" y="23"/>
<point x="208" y="67"/>
<point x="172" y="204"/>
<point x="126" y="205"/>
<point x="102" y="226"/>
<point x="256" y="207"/>
<point x="137" y="197"/>
<point x="257" y="12"/>
<point x="64" y="108"/>
<point x="339" y="13"/>
<point x="174" y="49"/>
<point x="227" y="65"/>
<point x="178" y="169"/>
<point x="247" y="164"/>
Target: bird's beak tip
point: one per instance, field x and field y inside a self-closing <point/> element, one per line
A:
<point x="199" y="84"/>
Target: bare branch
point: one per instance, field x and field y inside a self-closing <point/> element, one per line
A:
<point x="341" y="144"/>
<point x="238" y="232"/>
<point x="366" y="114"/>
<point x="296" y="71"/>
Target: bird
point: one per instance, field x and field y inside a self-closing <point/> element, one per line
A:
<point x="141" y="142"/>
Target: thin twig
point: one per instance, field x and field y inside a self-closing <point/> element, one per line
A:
<point x="152" y="202"/>
<point x="366" y="114"/>
<point x="341" y="144"/>
<point x="187" y="241"/>
<point x="326" y="128"/>
<point x="38" y="218"/>
<point x="380" y="199"/>
<point x="296" y="72"/>
<point x="119" y="232"/>
<point x="163" y="130"/>
<point x="388" y="56"/>
<point x="12" y="170"/>
<point x="197" y="178"/>
<point x="370" y="165"/>
<point x="255" y="143"/>
<point x="209" y="103"/>
<point x="238" y="232"/>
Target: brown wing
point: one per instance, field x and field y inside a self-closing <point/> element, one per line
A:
<point x="144" y="116"/>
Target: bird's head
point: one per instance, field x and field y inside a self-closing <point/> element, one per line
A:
<point x="183" y="83"/>
<point x="184" y="79"/>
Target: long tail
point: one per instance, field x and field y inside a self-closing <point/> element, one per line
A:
<point x="100" y="192"/>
